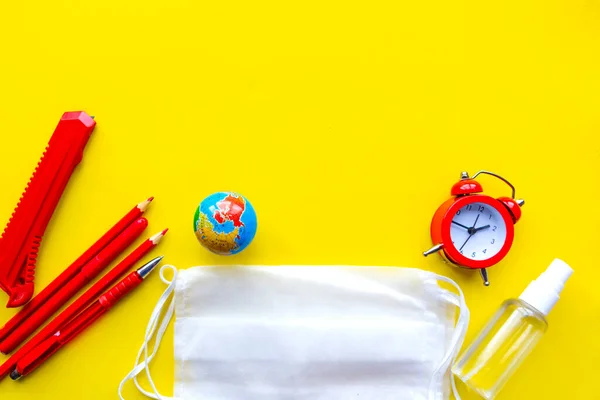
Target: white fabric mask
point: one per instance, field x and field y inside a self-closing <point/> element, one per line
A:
<point x="308" y="332"/>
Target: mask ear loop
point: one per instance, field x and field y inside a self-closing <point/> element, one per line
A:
<point x="457" y="341"/>
<point x="153" y="323"/>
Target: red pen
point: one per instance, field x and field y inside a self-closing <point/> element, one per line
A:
<point x="78" y="282"/>
<point x="75" y="268"/>
<point x="82" y="302"/>
<point x="58" y="340"/>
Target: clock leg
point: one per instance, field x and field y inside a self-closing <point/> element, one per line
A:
<point x="434" y="249"/>
<point x="484" y="276"/>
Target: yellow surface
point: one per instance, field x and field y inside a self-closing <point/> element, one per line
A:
<point x="344" y="123"/>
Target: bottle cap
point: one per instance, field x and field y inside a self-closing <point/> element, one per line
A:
<point x="544" y="292"/>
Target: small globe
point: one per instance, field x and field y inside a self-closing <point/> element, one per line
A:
<point x="225" y="223"/>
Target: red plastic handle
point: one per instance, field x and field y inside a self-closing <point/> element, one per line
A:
<point x="26" y="227"/>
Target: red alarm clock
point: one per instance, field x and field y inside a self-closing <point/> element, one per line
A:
<point x="473" y="230"/>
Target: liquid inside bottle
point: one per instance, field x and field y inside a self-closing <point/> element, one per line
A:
<point x="500" y="347"/>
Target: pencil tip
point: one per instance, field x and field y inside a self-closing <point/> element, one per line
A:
<point x="144" y="204"/>
<point x="156" y="238"/>
<point x="165" y="231"/>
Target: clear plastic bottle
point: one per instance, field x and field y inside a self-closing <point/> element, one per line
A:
<point x="511" y="334"/>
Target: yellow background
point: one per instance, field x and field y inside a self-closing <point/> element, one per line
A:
<point x="345" y="123"/>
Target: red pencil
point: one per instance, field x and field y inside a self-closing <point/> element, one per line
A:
<point x="32" y="360"/>
<point x="78" y="282"/>
<point x="82" y="302"/>
<point x="73" y="269"/>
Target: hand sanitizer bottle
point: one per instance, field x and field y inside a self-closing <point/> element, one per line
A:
<point x="511" y="334"/>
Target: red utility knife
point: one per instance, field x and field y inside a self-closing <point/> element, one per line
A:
<point x="23" y="234"/>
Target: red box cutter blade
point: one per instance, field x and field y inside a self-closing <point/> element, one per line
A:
<point x="23" y="234"/>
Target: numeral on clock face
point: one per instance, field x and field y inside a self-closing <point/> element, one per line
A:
<point x="478" y="231"/>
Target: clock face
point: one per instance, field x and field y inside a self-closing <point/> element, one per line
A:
<point x="478" y="231"/>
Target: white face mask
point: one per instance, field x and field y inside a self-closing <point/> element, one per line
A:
<point x="306" y="332"/>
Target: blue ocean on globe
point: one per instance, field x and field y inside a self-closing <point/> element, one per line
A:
<point x="225" y="223"/>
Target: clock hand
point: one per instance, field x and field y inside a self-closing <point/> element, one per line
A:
<point x="461" y="247"/>
<point x="480" y="228"/>
<point x="472" y="231"/>
<point x="475" y="223"/>
<point x="461" y="225"/>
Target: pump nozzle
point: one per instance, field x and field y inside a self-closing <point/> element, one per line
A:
<point x="544" y="292"/>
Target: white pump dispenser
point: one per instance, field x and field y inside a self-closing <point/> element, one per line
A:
<point x="543" y="293"/>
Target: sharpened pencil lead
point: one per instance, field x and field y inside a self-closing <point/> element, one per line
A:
<point x="144" y="204"/>
<point x="156" y="238"/>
